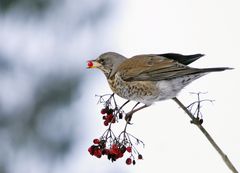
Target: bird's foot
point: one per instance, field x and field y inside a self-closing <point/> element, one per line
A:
<point x="197" y="121"/>
<point x="128" y="117"/>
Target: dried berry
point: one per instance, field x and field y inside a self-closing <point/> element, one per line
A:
<point x="134" y="162"/>
<point x="140" y="157"/>
<point x="123" y="149"/>
<point x="120" y="115"/>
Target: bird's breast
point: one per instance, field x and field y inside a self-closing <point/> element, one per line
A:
<point x="142" y="91"/>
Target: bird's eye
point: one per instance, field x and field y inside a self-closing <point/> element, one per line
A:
<point x="101" y="61"/>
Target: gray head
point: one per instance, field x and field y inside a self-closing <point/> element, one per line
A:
<point x="107" y="62"/>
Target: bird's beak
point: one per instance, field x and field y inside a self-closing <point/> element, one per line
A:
<point x="93" y="64"/>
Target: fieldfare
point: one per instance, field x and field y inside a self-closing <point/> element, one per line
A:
<point x="149" y="78"/>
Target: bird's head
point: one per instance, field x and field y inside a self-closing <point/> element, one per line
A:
<point x="107" y="63"/>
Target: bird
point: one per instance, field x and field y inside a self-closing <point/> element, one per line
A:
<point x="148" y="78"/>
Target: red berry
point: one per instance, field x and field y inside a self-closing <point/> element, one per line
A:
<point x="114" y="150"/>
<point x="105" y="151"/>
<point x="140" y="157"/>
<point x="106" y="123"/>
<point x="98" y="153"/>
<point x="120" y="154"/>
<point x="129" y="149"/>
<point x="96" y="141"/>
<point x="91" y="150"/>
<point x="109" y="117"/>
<point x="90" y="64"/>
<point x="129" y="161"/>
<point x="114" y="146"/>
<point x="103" y="111"/>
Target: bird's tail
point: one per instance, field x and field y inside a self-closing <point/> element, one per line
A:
<point x="216" y="69"/>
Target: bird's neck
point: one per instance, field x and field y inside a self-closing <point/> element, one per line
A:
<point x="111" y="83"/>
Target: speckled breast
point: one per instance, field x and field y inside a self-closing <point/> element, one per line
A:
<point x="142" y="91"/>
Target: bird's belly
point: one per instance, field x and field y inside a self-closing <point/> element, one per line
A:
<point x="169" y="89"/>
<point x="140" y="91"/>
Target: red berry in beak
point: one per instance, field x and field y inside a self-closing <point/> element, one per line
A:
<point x="90" y="64"/>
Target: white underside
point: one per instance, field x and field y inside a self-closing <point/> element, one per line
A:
<point x="168" y="89"/>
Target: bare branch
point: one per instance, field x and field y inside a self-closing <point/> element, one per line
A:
<point x="198" y="123"/>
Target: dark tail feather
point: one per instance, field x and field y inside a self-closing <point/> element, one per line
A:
<point x="192" y="58"/>
<point x="183" y="59"/>
<point x="215" y="69"/>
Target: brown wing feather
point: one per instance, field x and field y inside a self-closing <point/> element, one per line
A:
<point x="153" y="68"/>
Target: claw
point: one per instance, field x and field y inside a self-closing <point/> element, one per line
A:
<point x="197" y="121"/>
<point x="128" y="117"/>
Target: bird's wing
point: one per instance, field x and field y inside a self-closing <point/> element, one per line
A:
<point x="153" y="68"/>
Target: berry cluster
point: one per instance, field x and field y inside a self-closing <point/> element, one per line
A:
<point x="114" y="147"/>
<point x="114" y="152"/>
<point x="109" y="117"/>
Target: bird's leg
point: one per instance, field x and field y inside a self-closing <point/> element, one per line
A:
<point x="123" y="105"/>
<point x="128" y="116"/>
<point x="135" y="106"/>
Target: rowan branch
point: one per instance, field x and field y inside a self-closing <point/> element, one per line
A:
<point x="198" y="123"/>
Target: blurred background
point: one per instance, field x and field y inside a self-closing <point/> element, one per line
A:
<point x="48" y="110"/>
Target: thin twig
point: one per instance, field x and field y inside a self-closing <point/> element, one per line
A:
<point x="207" y="135"/>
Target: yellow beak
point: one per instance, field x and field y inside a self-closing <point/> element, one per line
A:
<point x="93" y="64"/>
